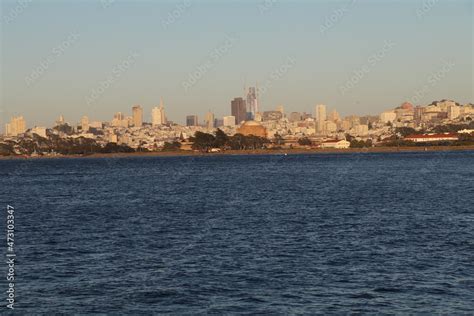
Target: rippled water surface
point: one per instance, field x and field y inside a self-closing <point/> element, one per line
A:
<point x="308" y="234"/>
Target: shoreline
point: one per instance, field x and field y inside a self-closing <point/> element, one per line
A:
<point x="256" y="152"/>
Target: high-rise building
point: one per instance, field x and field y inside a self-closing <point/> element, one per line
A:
<point x="252" y="103"/>
<point x="158" y="116"/>
<point x="60" y="121"/>
<point x="334" y="116"/>
<point x="119" y="120"/>
<point x="85" y="124"/>
<point x="229" y="121"/>
<point x="16" y="126"/>
<point x="137" y="116"/>
<point x="320" y="117"/>
<point x="192" y="120"/>
<point x="239" y="110"/>
<point x="209" y="121"/>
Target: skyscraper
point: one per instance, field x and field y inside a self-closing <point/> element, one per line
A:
<point x="252" y="103"/>
<point x="137" y="116"/>
<point x="192" y="120"/>
<point x="60" y="120"/>
<point x="209" y="121"/>
<point x="158" y="116"/>
<point x="16" y="126"/>
<point x="334" y="116"/>
<point x="85" y="124"/>
<point x="320" y="117"/>
<point x="239" y="110"/>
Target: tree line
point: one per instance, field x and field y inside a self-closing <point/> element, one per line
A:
<point x="204" y="142"/>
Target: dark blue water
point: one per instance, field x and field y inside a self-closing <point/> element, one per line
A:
<point x="328" y="234"/>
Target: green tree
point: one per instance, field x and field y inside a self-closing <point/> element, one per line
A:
<point x="221" y="139"/>
<point x="174" y="146"/>
<point x="203" y="141"/>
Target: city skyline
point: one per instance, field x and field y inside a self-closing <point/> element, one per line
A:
<point x="301" y="54"/>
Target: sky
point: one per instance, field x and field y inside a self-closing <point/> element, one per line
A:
<point x="99" y="57"/>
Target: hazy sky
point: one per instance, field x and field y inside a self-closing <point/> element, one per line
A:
<point x="95" y="58"/>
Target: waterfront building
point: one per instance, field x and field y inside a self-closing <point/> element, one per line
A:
<point x="137" y="116"/>
<point x="192" y="120"/>
<point x="239" y="110"/>
<point x="432" y="138"/>
<point x="337" y="144"/>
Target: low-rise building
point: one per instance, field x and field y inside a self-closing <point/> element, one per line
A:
<point x="338" y="144"/>
<point x="432" y="138"/>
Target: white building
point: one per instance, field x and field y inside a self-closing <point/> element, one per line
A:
<point x="158" y="116"/>
<point x="388" y="117"/>
<point x="338" y="144"/>
<point x="432" y="138"/>
<point x="229" y="121"/>
<point x="40" y="131"/>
